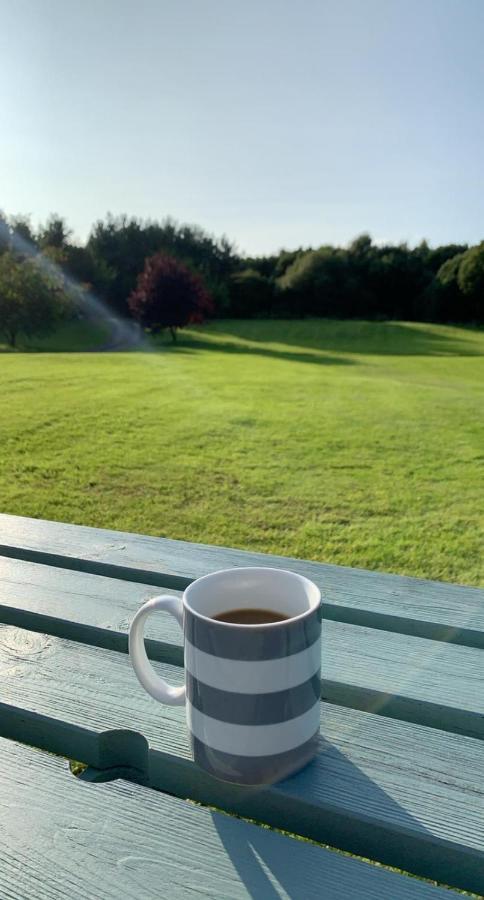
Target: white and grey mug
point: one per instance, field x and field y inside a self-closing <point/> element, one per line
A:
<point x="251" y="691"/>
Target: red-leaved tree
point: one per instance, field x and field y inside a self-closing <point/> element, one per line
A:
<point x="169" y="295"/>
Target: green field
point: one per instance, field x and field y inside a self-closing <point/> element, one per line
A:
<point x="349" y="442"/>
<point x="70" y="336"/>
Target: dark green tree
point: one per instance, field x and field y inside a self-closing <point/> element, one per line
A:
<point x="88" y="270"/>
<point x="251" y="294"/>
<point x="264" y="265"/>
<point x="23" y="241"/>
<point x="361" y="247"/>
<point x="55" y="233"/>
<point x="123" y="244"/>
<point x="5" y="234"/>
<point x="443" y="299"/>
<point x="285" y="259"/>
<point x="471" y="282"/>
<point x="320" y="283"/>
<point x="439" y="255"/>
<point x="397" y="279"/>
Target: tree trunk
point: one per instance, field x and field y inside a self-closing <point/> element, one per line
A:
<point x="12" y="339"/>
<point x="173" y="334"/>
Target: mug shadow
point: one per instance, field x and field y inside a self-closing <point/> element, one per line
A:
<point x="270" y="872"/>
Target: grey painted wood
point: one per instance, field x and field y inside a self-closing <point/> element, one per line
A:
<point x="62" y="838"/>
<point x="435" y="610"/>
<point x="88" y="608"/>
<point x="403" y="794"/>
<point x="404" y="677"/>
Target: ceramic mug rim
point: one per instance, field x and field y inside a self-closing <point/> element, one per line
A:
<point x="312" y="590"/>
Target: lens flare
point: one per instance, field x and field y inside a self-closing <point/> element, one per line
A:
<point x="122" y="334"/>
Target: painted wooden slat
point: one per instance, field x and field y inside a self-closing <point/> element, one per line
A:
<point x="63" y="838"/>
<point x="435" y="610"/>
<point x="404" y="677"/>
<point x="89" y="608"/>
<point x="403" y="794"/>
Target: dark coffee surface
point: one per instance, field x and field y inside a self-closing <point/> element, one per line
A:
<point x="250" y="616"/>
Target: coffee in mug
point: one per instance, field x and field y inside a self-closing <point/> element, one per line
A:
<point x="250" y="616"/>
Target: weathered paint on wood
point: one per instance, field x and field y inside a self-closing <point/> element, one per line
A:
<point x="62" y="838"/>
<point x="380" y="787"/>
<point x="89" y="608"/>
<point x="404" y="677"/>
<point x="439" y="611"/>
<point x="403" y="794"/>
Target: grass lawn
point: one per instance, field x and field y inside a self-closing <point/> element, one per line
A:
<point x="70" y="336"/>
<point x="348" y="442"/>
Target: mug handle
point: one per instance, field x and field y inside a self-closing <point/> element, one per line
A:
<point x="146" y="675"/>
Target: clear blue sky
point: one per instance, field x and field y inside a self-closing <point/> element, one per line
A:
<point x="278" y="123"/>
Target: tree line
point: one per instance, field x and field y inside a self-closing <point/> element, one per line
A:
<point x="363" y="280"/>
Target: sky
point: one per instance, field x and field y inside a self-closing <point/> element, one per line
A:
<point x="277" y="123"/>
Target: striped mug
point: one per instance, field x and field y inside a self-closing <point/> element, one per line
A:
<point x="251" y="691"/>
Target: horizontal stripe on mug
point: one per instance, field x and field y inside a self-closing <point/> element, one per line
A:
<point x="254" y="642"/>
<point x="253" y="740"/>
<point x="253" y="709"/>
<point x="255" y="770"/>
<point x="263" y="677"/>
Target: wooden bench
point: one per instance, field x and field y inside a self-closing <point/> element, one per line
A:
<point x="399" y="779"/>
